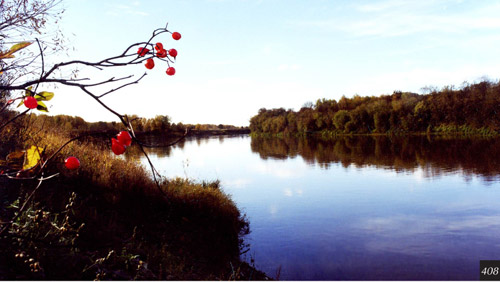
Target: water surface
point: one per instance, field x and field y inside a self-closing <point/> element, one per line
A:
<point x="356" y="208"/>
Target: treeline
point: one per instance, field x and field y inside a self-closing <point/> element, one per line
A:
<point x="160" y="123"/>
<point x="472" y="109"/>
<point x="215" y="127"/>
<point x="75" y="124"/>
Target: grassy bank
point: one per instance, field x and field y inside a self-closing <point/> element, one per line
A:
<point x="443" y="129"/>
<point x="109" y="220"/>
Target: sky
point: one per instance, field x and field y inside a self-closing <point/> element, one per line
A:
<point x="237" y="56"/>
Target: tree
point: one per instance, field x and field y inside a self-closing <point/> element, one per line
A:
<point x="28" y="90"/>
<point x="22" y="19"/>
<point x="340" y="119"/>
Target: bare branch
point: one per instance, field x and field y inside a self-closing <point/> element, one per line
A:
<point x="124" y="85"/>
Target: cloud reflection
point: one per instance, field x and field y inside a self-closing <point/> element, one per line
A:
<point x="427" y="234"/>
<point x="280" y="169"/>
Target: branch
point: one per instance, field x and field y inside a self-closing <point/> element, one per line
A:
<point x="43" y="63"/>
<point x="124" y="59"/>
<point x="127" y="84"/>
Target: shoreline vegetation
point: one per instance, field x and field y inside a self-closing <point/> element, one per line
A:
<point x="473" y="109"/>
<point x="107" y="220"/>
<point x="448" y="131"/>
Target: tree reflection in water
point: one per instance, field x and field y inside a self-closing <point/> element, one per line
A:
<point x="435" y="155"/>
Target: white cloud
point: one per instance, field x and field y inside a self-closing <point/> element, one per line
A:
<point x="416" y="78"/>
<point x="289" y="67"/>
<point x="381" y="6"/>
<point x="397" y="18"/>
<point x="122" y="9"/>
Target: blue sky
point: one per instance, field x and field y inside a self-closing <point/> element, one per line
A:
<point x="237" y="56"/>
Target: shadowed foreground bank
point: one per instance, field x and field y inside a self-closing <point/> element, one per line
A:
<point x="108" y="220"/>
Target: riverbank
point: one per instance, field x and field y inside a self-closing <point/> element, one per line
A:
<point x="203" y="133"/>
<point x="455" y="131"/>
<point x="109" y="220"/>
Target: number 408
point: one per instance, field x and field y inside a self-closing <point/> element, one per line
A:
<point x="490" y="271"/>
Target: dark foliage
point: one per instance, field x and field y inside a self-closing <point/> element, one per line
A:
<point x="473" y="109"/>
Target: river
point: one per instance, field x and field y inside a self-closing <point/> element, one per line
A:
<point x="356" y="208"/>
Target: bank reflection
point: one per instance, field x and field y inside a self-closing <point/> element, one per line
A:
<point x="435" y="155"/>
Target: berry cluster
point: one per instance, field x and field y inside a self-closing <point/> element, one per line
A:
<point x="123" y="139"/>
<point x="160" y="52"/>
<point x="121" y="142"/>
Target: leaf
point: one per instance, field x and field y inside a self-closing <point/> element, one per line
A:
<point x="15" y="160"/>
<point x="42" y="107"/>
<point x="21" y="103"/>
<point x="15" y="155"/>
<point x="19" y="46"/>
<point x="28" y="91"/>
<point x="44" y="96"/>
<point x="13" y="49"/>
<point x="32" y="157"/>
<point x="6" y="56"/>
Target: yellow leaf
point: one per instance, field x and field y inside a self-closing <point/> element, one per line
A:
<point x="7" y="56"/>
<point x="32" y="157"/>
<point x="44" y="96"/>
<point x="42" y="107"/>
<point x="19" y="46"/>
<point x="13" y="49"/>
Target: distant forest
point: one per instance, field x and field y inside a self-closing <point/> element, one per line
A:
<point x="472" y="109"/>
<point x="75" y="125"/>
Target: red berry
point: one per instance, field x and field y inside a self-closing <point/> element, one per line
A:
<point x="72" y="163"/>
<point x="150" y="64"/>
<point x="158" y="46"/>
<point x="161" y="53"/>
<point x="142" y="51"/>
<point x="117" y="147"/>
<point x="124" y="138"/>
<point x="176" y="35"/>
<point x="170" y="71"/>
<point x="30" y="102"/>
<point x="172" y="52"/>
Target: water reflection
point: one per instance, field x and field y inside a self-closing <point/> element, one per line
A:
<point x="356" y="208"/>
<point x="435" y="155"/>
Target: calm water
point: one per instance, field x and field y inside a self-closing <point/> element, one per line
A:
<point x="359" y="208"/>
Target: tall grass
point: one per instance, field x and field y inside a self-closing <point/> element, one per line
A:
<point x="131" y="230"/>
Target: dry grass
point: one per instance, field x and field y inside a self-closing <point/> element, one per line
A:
<point x="193" y="233"/>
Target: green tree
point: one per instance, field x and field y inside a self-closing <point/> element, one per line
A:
<point x="340" y="119"/>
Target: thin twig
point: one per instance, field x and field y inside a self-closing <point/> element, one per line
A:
<point x="122" y="86"/>
<point x="43" y="63"/>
